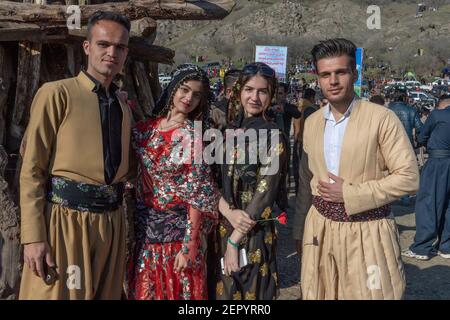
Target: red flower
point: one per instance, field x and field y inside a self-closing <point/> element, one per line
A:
<point x="282" y="218"/>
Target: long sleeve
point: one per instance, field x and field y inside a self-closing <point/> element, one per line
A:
<point x="402" y="167"/>
<point x="308" y="111"/>
<point x="292" y="111"/>
<point x="304" y="197"/>
<point x="199" y="189"/>
<point x="418" y="125"/>
<point x="268" y="181"/>
<point x="47" y="113"/>
<point x="191" y="241"/>
<point x="426" y="130"/>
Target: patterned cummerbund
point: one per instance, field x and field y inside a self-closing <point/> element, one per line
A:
<point x="336" y="211"/>
<point x="83" y="196"/>
<point x="152" y="225"/>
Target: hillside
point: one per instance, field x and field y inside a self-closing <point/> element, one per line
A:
<point x="299" y="24"/>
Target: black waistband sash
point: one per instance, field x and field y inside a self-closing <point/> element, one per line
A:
<point x="159" y="226"/>
<point x="83" y="196"/>
<point x="439" y="153"/>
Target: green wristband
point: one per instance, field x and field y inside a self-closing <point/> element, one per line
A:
<point x="234" y="244"/>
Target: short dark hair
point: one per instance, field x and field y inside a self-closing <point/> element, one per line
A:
<point x="283" y="85"/>
<point x="377" y="99"/>
<point x="230" y="78"/>
<point x="107" y="15"/>
<point x="334" y="48"/>
<point x="309" y="94"/>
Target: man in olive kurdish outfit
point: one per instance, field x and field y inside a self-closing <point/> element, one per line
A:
<point x="356" y="159"/>
<point x="75" y="162"/>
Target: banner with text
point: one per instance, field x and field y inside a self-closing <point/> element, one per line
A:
<point x="275" y="57"/>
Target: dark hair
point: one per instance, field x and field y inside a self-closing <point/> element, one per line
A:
<point x="230" y="78"/>
<point x="398" y="95"/>
<point x="334" y="48"/>
<point x="309" y="94"/>
<point x="107" y="15"/>
<point x="377" y="99"/>
<point x="283" y="85"/>
<point x="203" y="106"/>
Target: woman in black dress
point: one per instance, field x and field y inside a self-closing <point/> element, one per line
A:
<point x="250" y="189"/>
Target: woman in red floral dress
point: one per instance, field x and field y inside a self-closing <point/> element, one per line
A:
<point x="177" y="200"/>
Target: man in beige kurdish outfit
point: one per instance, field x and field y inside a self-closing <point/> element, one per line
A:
<point x="357" y="159"/>
<point x="75" y="162"/>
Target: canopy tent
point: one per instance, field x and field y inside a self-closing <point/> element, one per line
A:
<point x="410" y="75"/>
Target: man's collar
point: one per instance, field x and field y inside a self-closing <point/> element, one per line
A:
<point x="93" y="83"/>
<point x="328" y="115"/>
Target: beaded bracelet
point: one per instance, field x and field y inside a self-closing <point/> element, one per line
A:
<point x="234" y="244"/>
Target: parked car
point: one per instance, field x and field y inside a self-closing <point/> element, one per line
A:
<point x="422" y="97"/>
<point x="426" y="87"/>
<point x="412" y="84"/>
<point x="440" y="82"/>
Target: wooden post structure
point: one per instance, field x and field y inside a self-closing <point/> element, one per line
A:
<point x="28" y="73"/>
<point x="10" y="266"/>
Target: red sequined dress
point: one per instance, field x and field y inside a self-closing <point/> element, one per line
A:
<point x="177" y="203"/>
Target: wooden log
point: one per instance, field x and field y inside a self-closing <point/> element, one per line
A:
<point x="28" y="73"/>
<point x="152" y="71"/>
<point x="14" y="31"/>
<point x="142" y="51"/>
<point x="142" y="86"/>
<point x="6" y="78"/>
<point x="54" y="63"/>
<point x="10" y="266"/>
<point x="142" y="37"/>
<point x="127" y="84"/>
<point x="134" y="9"/>
<point x="139" y="48"/>
<point x="71" y="60"/>
<point x="74" y="58"/>
<point x="144" y="28"/>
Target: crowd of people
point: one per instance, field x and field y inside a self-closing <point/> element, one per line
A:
<point x="198" y="229"/>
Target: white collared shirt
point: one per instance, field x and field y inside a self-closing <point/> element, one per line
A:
<point x="334" y="136"/>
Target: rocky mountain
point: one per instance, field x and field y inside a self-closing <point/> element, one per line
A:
<point x="299" y="24"/>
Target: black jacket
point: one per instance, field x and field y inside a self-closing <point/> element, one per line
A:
<point x="290" y="111"/>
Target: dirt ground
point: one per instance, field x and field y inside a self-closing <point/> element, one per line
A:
<point x="424" y="279"/>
